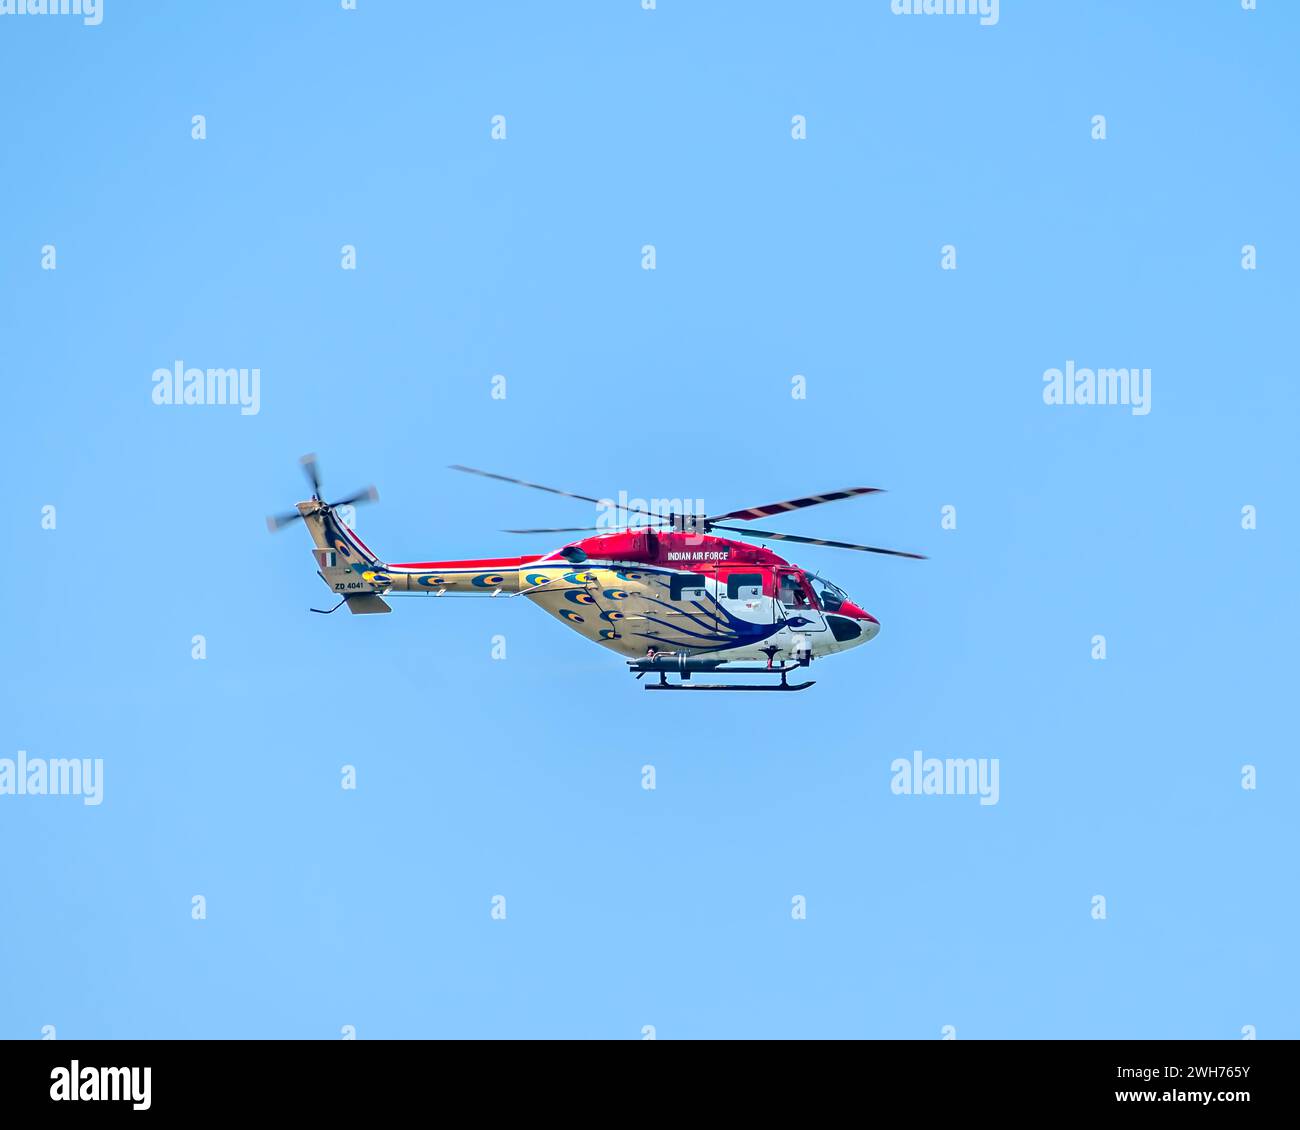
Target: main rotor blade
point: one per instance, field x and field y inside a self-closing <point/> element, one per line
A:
<point x="312" y="470"/>
<point x="821" y="541"/>
<point x="773" y="508"/>
<point x="549" y="490"/>
<point x="370" y="494"/>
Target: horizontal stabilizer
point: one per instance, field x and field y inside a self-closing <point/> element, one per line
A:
<point x="366" y="604"/>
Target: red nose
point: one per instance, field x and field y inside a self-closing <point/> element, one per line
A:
<point x="848" y="608"/>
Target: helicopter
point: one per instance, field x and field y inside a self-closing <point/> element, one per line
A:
<point x="668" y="595"/>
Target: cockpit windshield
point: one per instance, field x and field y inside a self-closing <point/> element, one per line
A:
<point x="829" y="596"/>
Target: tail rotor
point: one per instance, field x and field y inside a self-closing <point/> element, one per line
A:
<point x="311" y="468"/>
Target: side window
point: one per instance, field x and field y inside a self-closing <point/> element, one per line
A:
<point x="745" y="586"/>
<point x="792" y="594"/>
<point x="687" y="586"/>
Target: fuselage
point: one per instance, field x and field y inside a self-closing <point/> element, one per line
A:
<point x="639" y="592"/>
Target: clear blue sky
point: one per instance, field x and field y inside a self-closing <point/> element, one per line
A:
<point x="522" y="777"/>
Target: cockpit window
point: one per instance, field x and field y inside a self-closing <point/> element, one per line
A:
<point x="829" y="596"/>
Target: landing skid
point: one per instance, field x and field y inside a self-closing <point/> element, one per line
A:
<point x="664" y="685"/>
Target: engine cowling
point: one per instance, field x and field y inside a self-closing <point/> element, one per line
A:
<point x="626" y="545"/>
